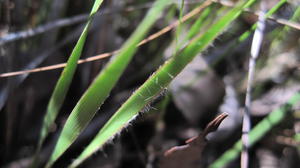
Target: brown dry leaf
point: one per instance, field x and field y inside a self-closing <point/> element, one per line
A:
<point x="189" y="155"/>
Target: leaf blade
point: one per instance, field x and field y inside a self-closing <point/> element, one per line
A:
<point x="152" y="87"/>
<point x="64" y="81"/>
<point x="99" y="90"/>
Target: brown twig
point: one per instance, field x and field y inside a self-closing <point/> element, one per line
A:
<point x="105" y="55"/>
<point x="146" y="40"/>
<point x="13" y="36"/>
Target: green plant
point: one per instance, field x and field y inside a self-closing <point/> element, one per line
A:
<point x="192" y="37"/>
<point x="258" y="131"/>
<point x="63" y="83"/>
<point x="99" y="90"/>
<point x="156" y="83"/>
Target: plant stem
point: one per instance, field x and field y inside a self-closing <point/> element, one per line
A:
<point x="255" y="48"/>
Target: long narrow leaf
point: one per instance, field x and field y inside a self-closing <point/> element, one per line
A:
<point x="153" y="86"/>
<point x="198" y="24"/>
<point x="236" y="42"/>
<point x="282" y="33"/>
<point x="99" y="90"/>
<point x="247" y="33"/>
<point x="62" y="86"/>
<point x="267" y="124"/>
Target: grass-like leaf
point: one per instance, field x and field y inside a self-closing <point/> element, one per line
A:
<point x="258" y="131"/>
<point x="63" y="83"/>
<point x="199" y="23"/>
<point x="246" y="34"/>
<point x="158" y="81"/>
<point x="269" y="122"/>
<point x="99" y="90"/>
<point x="282" y="33"/>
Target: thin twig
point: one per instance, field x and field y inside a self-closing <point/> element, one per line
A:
<point x="285" y="22"/>
<point x="36" y="61"/>
<point x="272" y="18"/>
<point x="83" y="17"/>
<point x="105" y="55"/>
<point x="42" y="29"/>
<point x="146" y="40"/>
<point x="67" y="22"/>
<point x="61" y="23"/>
<point x="255" y="48"/>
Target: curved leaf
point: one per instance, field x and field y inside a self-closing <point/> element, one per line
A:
<point x="64" y="81"/>
<point x="99" y="90"/>
<point x="156" y="83"/>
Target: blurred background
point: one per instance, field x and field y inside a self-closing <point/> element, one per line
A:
<point x="38" y="33"/>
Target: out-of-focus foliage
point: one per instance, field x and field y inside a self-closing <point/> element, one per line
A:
<point x="200" y="62"/>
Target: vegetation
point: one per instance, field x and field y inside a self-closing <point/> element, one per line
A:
<point x="178" y="65"/>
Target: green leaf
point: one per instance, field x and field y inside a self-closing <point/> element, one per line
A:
<point x="99" y="90"/>
<point x="246" y="34"/>
<point x="64" y="81"/>
<point x="156" y="83"/>
<point x="199" y="23"/>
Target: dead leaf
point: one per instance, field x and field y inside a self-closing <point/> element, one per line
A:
<point x="189" y="155"/>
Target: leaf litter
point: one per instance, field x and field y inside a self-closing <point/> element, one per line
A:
<point x="189" y="155"/>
